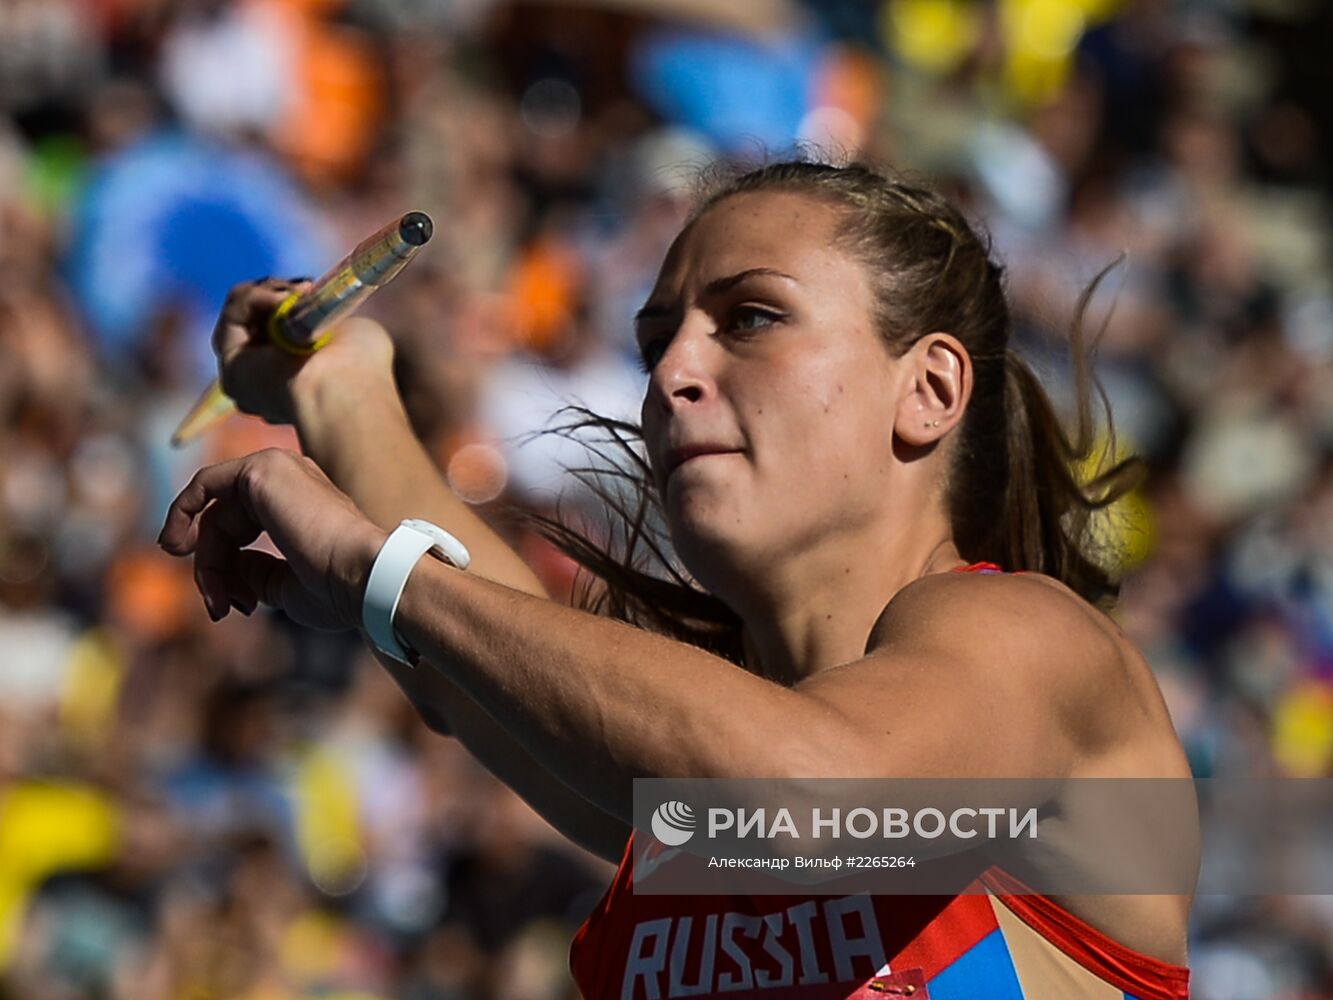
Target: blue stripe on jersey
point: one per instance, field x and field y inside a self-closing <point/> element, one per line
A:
<point x="986" y="964"/>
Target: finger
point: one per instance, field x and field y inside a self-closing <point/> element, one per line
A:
<point x="224" y="528"/>
<point x="210" y="483"/>
<point x="253" y="375"/>
<point x="222" y="592"/>
<point x="231" y="339"/>
<point x="265" y="574"/>
<point x="246" y="311"/>
<point x="252" y="299"/>
<point x="276" y="585"/>
<point x="251" y="370"/>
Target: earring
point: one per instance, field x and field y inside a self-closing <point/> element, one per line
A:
<point x="932" y="423"/>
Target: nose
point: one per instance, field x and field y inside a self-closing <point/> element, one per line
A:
<point x="683" y="374"/>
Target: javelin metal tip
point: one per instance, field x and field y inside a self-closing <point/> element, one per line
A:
<point x="416" y="228"/>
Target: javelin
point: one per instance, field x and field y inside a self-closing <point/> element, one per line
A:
<point x="303" y="322"/>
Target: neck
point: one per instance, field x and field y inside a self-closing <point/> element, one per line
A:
<point x="818" y="610"/>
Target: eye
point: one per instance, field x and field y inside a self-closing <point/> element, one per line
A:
<point x="742" y="320"/>
<point x="650" y="352"/>
<point x="750" y="318"/>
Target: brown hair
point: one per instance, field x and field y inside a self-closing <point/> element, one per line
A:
<point x="1013" y="492"/>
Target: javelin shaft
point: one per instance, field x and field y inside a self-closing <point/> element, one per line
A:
<point x="304" y="323"/>
<point x="374" y="263"/>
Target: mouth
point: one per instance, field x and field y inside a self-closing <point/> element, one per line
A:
<point x="677" y="457"/>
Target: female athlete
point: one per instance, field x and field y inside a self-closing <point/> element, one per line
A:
<point x="840" y="439"/>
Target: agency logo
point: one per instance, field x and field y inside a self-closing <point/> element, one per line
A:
<point x="673" y="823"/>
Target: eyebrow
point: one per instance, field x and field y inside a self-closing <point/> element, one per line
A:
<point x="716" y="287"/>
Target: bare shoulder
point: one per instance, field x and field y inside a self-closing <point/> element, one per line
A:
<point x="1026" y="634"/>
<point x="995" y="613"/>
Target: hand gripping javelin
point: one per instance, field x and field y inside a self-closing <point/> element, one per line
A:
<point x="304" y="322"/>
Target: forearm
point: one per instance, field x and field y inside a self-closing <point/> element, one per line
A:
<point x="600" y="703"/>
<point x="356" y="430"/>
<point x="567" y="811"/>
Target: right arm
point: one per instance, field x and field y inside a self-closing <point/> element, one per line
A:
<point x="360" y="436"/>
<point x="351" y="422"/>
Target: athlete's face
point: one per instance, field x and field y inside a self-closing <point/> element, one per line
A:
<point x="768" y="414"/>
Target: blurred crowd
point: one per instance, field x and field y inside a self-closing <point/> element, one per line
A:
<point x="249" y="811"/>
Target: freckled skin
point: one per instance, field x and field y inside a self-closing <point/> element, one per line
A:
<point x="808" y="399"/>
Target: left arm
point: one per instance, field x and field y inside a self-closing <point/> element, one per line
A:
<point x="602" y="702"/>
<point x="605" y="702"/>
<point x="947" y="689"/>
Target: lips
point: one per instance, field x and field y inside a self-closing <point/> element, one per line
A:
<point x="682" y="454"/>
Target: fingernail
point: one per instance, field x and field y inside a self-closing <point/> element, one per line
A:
<point x="216" y="608"/>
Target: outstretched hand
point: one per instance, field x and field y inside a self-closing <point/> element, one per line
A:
<point x="327" y="544"/>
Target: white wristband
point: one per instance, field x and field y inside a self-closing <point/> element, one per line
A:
<point x="399" y="555"/>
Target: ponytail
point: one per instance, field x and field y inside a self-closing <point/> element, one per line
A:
<point x="1042" y="514"/>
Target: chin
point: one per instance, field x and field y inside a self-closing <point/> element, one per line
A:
<point x="710" y="516"/>
<point x="692" y="537"/>
<point x="712" y="545"/>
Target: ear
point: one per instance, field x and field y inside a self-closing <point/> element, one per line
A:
<point x="937" y="385"/>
